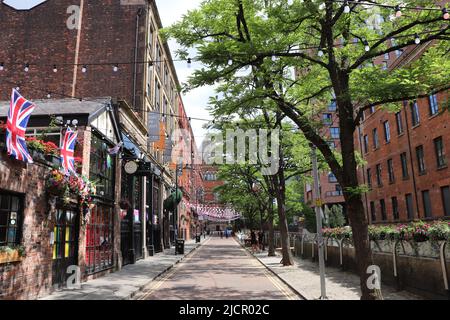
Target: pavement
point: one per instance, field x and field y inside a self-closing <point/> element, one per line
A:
<point x="124" y="284"/>
<point x="304" y="277"/>
<point x="219" y="270"/>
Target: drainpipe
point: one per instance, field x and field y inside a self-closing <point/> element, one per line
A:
<point x="138" y="15"/>
<point x="405" y="103"/>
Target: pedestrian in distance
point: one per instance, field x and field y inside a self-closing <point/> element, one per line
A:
<point x="261" y="240"/>
<point x="253" y="241"/>
<point x="221" y="234"/>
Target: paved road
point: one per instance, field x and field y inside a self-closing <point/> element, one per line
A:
<point x="219" y="270"/>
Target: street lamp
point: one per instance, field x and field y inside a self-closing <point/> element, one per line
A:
<point x="320" y="242"/>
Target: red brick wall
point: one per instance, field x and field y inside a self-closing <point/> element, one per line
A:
<point x="32" y="276"/>
<point x="41" y="36"/>
<point x="422" y="134"/>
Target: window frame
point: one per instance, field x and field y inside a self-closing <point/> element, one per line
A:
<point x="415" y="114"/>
<point x="391" y="173"/>
<point x="387" y="131"/>
<point x="420" y="156"/>
<point x="17" y="226"/>
<point x="433" y="104"/>
<point x="441" y="160"/>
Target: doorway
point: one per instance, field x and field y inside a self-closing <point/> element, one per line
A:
<point x="65" y="245"/>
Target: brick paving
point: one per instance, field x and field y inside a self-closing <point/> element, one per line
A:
<point x="219" y="270"/>
<point x="126" y="283"/>
<point x="304" y="277"/>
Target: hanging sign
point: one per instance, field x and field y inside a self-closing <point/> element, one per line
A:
<point x="168" y="150"/>
<point x="153" y="127"/>
<point x="131" y="167"/>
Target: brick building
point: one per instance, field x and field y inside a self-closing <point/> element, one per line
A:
<point x="406" y="156"/>
<point x="54" y="233"/>
<point x="405" y="153"/>
<point x="90" y="49"/>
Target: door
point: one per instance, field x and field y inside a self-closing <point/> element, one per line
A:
<point x="65" y="245"/>
<point x="125" y="239"/>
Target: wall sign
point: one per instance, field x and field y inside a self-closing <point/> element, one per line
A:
<point x="131" y="167"/>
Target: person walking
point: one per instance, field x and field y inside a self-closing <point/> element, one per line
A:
<point x="261" y="240"/>
<point x="253" y="241"/>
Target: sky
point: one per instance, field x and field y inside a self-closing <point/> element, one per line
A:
<point x="195" y="101"/>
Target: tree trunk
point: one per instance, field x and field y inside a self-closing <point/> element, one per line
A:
<point x="280" y="189"/>
<point x="361" y="243"/>
<point x="352" y="193"/>
<point x="271" y="237"/>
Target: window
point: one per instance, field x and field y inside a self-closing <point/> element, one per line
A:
<point x="390" y="165"/>
<point x="409" y="206"/>
<point x="434" y="107"/>
<point x="334" y="132"/>
<point x="426" y="203"/>
<point x="10" y="219"/>
<point x="51" y="135"/>
<point x="332" y="106"/>
<point x="386" y="56"/>
<point x="327" y="118"/>
<point x="384" y="65"/>
<point x="373" y="212"/>
<point x="398" y="52"/>
<point x="398" y="119"/>
<point x="395" y="208"/>
<point x="366" y="144"/>
<point x="440" y="155"/>
<point x="420" y="159"/>
<point x="102" y="167"/>
<point x="149" y="80"/>
<point x="379" y="180"/>
<point x="151" y="33"/>
<point x="331" y="177"/>
<point x="387" y="131"/>
<point x="369" y="177"/>
<point x="372" y="110"/>
<point x="404" y="162"/>
<point x="99" y="239"/>
<point x="375" y="138"/>
<point x="383" y="210"/>
<point x="157" y="96"/>
<point x="158" y="58"/>
<point x="445" y="192"/>
<point x="332" y="145"/>
<point x="415" y="116"/>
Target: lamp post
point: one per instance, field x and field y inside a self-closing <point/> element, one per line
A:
<point x="318" y="203"/>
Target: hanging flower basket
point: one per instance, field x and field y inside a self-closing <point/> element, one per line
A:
<point x="8" y="254"/>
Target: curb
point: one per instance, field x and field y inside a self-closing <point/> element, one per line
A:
<point x="141" y="288"/>
<point x="273" y="272"/>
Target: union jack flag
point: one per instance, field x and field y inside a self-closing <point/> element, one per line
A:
<point x="18" y="115"/>
<point x="68" y="150"/>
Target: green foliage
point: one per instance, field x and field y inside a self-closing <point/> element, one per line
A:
<point x="335" y="216"/>
<point x="310" y="219"/>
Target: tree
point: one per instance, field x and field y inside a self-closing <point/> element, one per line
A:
<point x="332" y="53"/>
<point x="334" y="216"/>
<point x="274" y="185"/>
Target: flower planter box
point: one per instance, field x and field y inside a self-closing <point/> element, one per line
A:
<point x="12" y="256"/>
<point x="53" y="160"/>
